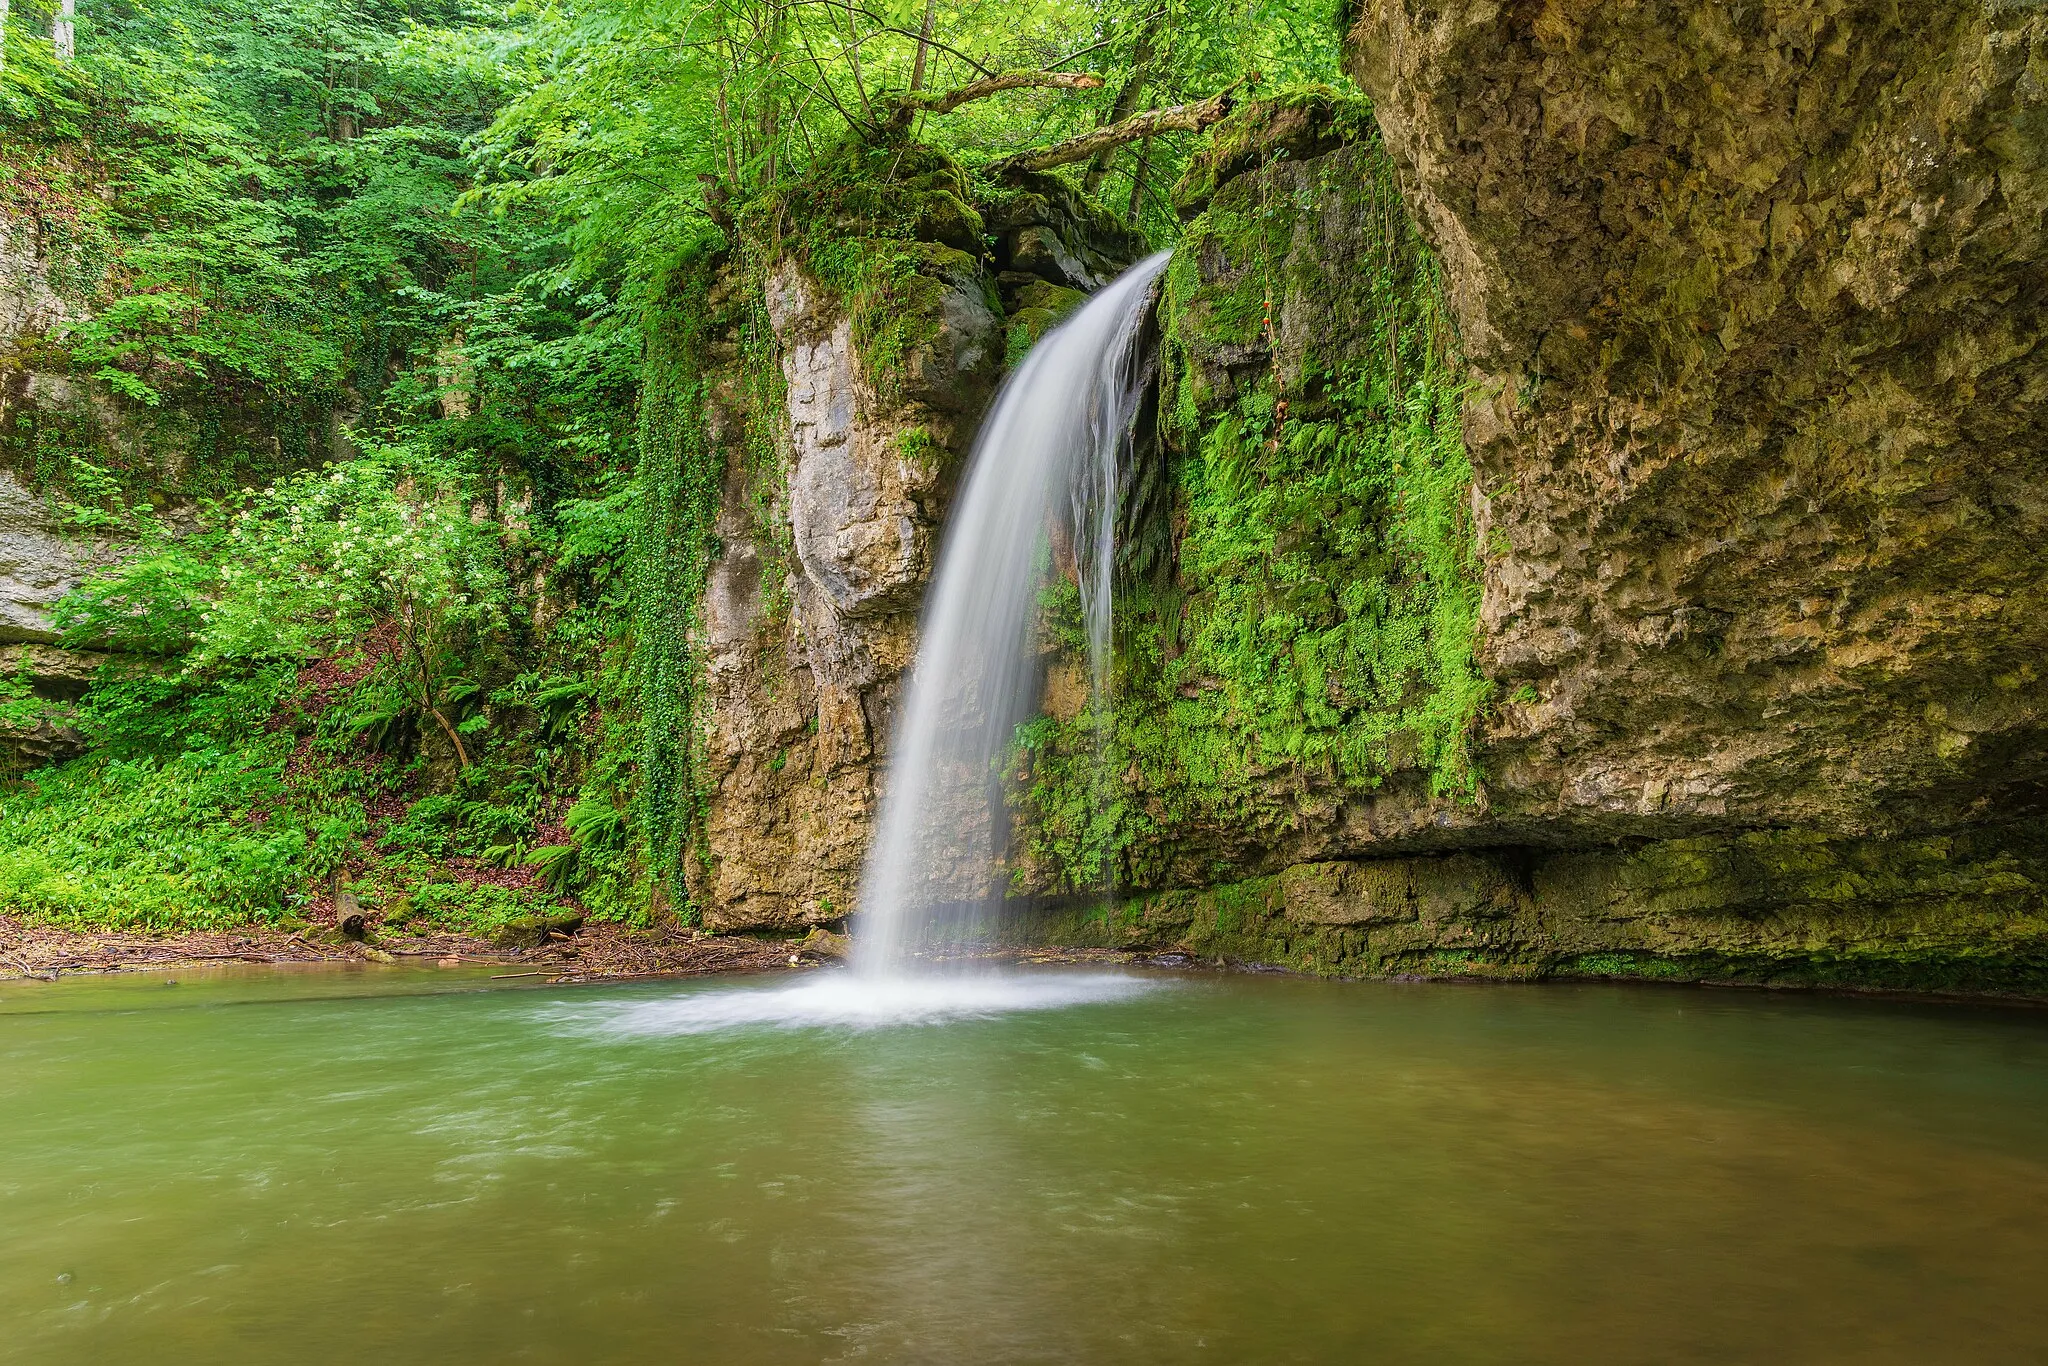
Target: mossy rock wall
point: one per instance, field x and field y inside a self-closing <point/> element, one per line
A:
<point x="1715" y="658"/>
<point x="1301" y="605"/>
<point x="1959" y="913"/>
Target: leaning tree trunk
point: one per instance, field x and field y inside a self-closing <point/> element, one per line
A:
<point x="1180" y="118"/>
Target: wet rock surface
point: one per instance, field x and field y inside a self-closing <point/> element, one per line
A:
<point x="41" y="559"/>
<point x="1964" y="913"/>
<point x="1043" y="229"/>
<point x="811" y="608"/>
<point x="1754" y="304"/>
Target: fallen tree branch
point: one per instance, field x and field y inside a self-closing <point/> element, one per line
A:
<point x="1180" y="118"/>
<point x="27" y="971"/>
<point x="917" y="101"/>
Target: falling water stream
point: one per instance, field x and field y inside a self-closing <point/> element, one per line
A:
<point x="1051" y="457"/>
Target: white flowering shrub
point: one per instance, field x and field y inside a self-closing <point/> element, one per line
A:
<point x="386" y="556"/>
<point x="310" y="564"/>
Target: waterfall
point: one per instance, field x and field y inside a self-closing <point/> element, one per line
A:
<point x="1049" y="459"/>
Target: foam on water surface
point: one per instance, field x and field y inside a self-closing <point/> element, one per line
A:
<point x="846" y="1001"/>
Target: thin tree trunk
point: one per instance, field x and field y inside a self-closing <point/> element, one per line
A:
<point x="408" y="629"/>
<point x="924" y="42"/>
<point x="853" y="60"/>
<point x="1126" y="104"/>
<point x="3" y="35"/>
<point x="1138" y="182"/>
<point x="461" y="754"/>
<point x="63" y="36"/>
<point x="725" y="135"/>
<point x="771" y="95"/>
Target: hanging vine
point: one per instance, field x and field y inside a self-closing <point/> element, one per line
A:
<point x="673" y="548"/>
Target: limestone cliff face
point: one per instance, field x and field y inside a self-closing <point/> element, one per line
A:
<point x="811" y="608"/>
<point x="41" y="558"/>
<point x="809" y="636"/>
<point x="1754" y="300"/>
<point x="29" y="304"/>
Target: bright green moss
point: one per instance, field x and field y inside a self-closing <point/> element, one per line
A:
<point x="888" y="227"/>
<point x="1315" y="634"/>
<point x="673" y="547"/>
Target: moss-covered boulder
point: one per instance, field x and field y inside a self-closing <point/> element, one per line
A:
<point x="537" y="930"/>
<point x="1296" y="125"/>
<point x="1040" y="228"/>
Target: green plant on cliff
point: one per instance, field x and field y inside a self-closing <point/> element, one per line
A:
<point x="885" y="225"/>
<point x="1315" y="634"/>
<point x="680" y="476"/>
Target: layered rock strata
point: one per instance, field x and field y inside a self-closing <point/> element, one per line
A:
<point x="1959" y="912"/>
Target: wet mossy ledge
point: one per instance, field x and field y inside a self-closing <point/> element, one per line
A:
<point x="1964" y="915"/>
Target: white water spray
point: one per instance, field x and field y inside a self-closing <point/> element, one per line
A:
<point x="1049" y="457"/>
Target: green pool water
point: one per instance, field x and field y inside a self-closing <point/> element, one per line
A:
<point x="399" y="1166"/>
